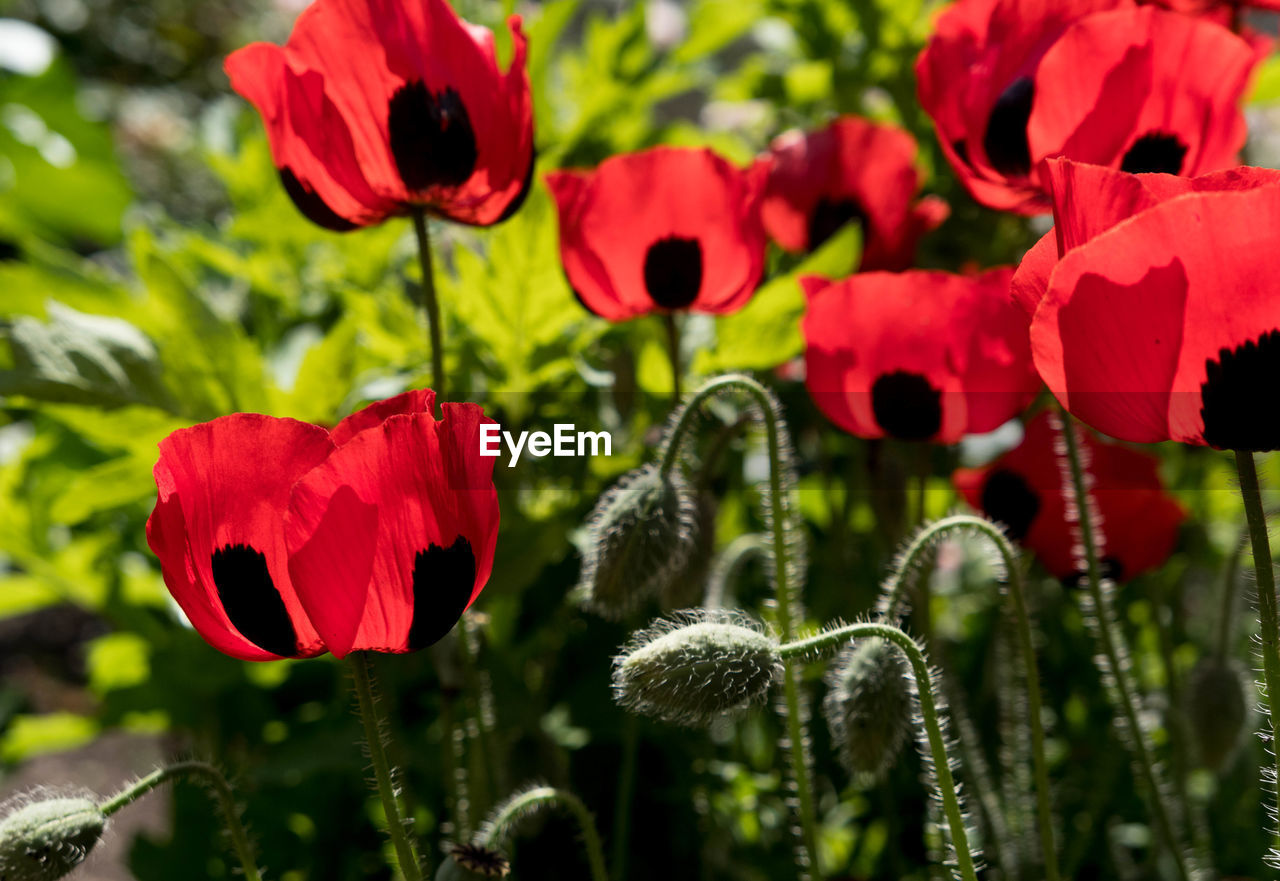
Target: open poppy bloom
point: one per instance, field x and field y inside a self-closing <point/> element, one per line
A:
<point x="1163" y="326"/>
<point x="376" y="107"/>
<point x="919" y="356"/>
<point x="392" y="537"/>
<point x="1009" y="83"/>
<point x="661" y="230"/>
<point x="217" y="529"/>
<point x="1024" y="491"/>
<point x="853" y="170"/>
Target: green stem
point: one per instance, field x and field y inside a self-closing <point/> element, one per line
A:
<point x="499" y="829"/>
<point x="1268" y="614"/>
<point x="222" y="791"/>
<point x="1227" y="599"/>
<point x="362" y="676"/>
<point x="673" y="348"/>
<point x="736" y="554"/>
<point x="429" y="302"/>
<point x="1113" y="650"/>
<point x="479" y="704"/>
<point x="828" y="641"/>
<point x="786" y="603"/>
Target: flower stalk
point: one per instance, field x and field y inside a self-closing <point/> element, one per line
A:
<point x="429" y="303"/>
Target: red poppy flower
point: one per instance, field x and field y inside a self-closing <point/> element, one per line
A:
<point x="1164" y="325"/>
<point x="923" y="356"/>
<point x="660" y="230"/>
<point x="376" y="106"/>
<point x="853" y="169"/>
<point x="1215" y="7"/>
<point x="1024" y="490"/>
<point x="1009" y="83"/>
<point x="217" y="529"/>
<point x="392" y="537"/>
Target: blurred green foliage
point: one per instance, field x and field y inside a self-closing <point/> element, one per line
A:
<point x="152" y="280"/>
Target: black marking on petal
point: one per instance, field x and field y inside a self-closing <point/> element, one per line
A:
<point x="442" y="582"/>
<point x="252" y="601"/>
<point x="906" y="406"/>
<point x="1155" y="151"/>
<point x="1235" y="413"/>
<point x="432" y="141"/>
<point x="673" y="271"/>
<point x="311" y="205"/>
<point x="518" y="201"/>
<point x="1005" y="141"/>
<point x="829" y="216"/>
<point x="961" y="148"/>
<point x="1008" y="499"/>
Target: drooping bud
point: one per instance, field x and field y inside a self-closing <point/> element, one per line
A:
<point x="44" y="840"/>
<point x="1217" y="710"/>
<point x="640" y="535"/>
<point x="869" y="706"/>
<point x="694" y="667"/>
<point x="472" y="862"/>
<point x="688" y="584"/>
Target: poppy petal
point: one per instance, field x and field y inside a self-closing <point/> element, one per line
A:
<point x="413" y="401"/>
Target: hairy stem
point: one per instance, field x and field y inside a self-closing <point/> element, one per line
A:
<point x="500" y="827"/>
<point x="429" y="303"/>
<point x="222" y="793"/>
<point x="362" y="677"/>
<point x="831" y="640"/>
<point x="673" y="349"/>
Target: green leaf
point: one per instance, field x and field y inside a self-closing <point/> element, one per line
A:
<point x="766" y="332"/>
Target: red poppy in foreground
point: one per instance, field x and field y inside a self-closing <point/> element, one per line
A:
<point x="223" y="492"/>
<point x="376" y="107"/>
<point x="661" y="230"/>
<point x="921" y="356"/>
<point x="1167" y="325"/>
<point x="1024" y="490"/>
<point x="1137" y="88"/>
<point x="853" y="170"/>
<point x="392" y="537"/>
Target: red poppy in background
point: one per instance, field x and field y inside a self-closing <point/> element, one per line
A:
<point x="1167" y="324"/>
<point x="1197" y="7"/>
<point x="922" y="356"/>
<point x="852" y="170"/>
<point x="1024" y="490"/>
<point x="392" y="537"/>
<point x="375" y="107"/>
<point x="1137" y="88"/>
<point x="661" y="230"/>
<point x="217" y="529"/>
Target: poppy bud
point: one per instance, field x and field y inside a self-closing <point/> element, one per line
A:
<point x="1217" y="710"/>
<point x="472" y="862"/>
<point x="44" y="840"/>
<point x="640" y="535"/>
<point x="688" y="584"/>
<point x="869" y="706"/>
<point x="690" y="669"/>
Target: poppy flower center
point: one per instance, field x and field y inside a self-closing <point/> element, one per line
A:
<point x="673" y="271"/>
<point x="1008" y="499"/>
<point x="1006" y="139"/>
<point x="252" y="602"/>
<point x="311" y="205"/>
<point x="906" y="406"/>
<point x="432" y="141"/>
<point x="1155" y="151"/>
<point x="829" y="216"/>
<point x="443" y="579"/>
<point x="1233" y="419"/>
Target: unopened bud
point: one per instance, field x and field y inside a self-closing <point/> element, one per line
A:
<point x="44" y="840"/>
<point x="688" y="584"/>
<point x="869" y="706"/>
<point x="641" y="533"/>
<point x="472" y="862"/>
<point x="692" y="669"/>
<point x="1217" y="709"/>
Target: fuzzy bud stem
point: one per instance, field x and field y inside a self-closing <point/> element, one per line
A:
<point x="506" y="817"/>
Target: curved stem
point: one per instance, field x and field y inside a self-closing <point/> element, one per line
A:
<point x="362" y="676"/>
<point x="830" y="640"/>
<point x="498" y="829"/>
<point x="222" y="792"/>
<point x="1268" y="615"/>
<point x="1111" y="643"/>
<point x="673" y="348"/>
<point x="429" y="303"/>
<point x="736" y="554"/>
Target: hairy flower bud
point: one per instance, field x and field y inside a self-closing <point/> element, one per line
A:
<point x="690" y="669"/>
<point x="869" y="706"/>
<point x="640" y="535"/>
<point x="1217" y="709"/>
<point x="472" y="862"/>
<point x="688" y="584"/>
<point x="46" y="839"/>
